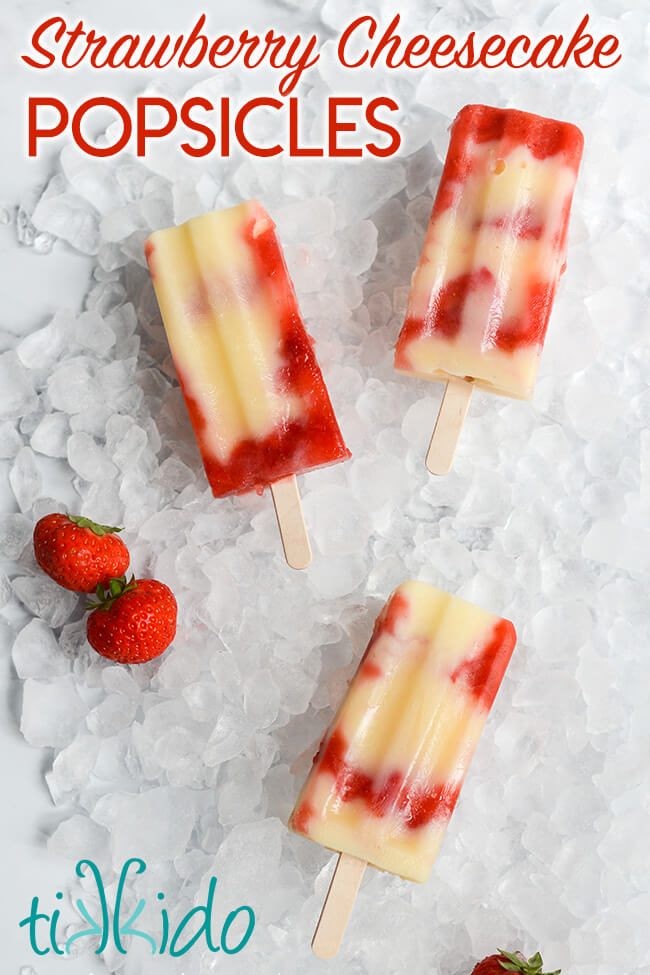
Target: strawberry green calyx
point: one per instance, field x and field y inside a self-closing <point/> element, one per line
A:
<point x="100" y="530"/>
<point x="107" y="597"/>
<point x="517" y="963"/>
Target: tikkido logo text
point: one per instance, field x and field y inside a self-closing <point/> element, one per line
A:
<point x="114" y="924"/>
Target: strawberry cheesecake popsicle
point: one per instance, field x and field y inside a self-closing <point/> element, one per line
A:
<point x="389" y="770"/>
<point x="253" y="388"/>
<point x="495" y="248"/>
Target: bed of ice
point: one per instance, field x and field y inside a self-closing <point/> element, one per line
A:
<point x="193" y="761"/>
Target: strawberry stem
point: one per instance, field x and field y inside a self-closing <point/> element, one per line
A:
<point x="517" y="963"/>
<point x="107" y="597"/>
<point x="100" y="530"/>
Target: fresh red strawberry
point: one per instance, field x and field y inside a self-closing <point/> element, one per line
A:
<point x="507" y="961"/>
<point x="77" y="553"/>
<point x="133" y="622"/>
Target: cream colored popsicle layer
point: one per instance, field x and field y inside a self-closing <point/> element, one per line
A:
<point x="387" y="776"/>
<point x="253" y="389"/>
<point x="210" y="279"/>
<point x="482" y="293"/>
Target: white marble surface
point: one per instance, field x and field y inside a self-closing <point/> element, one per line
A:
<point x="38" y="285"/>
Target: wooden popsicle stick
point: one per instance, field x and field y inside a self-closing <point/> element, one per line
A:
<point x="455" y="402"/>
<point x="338" y="906"/>
<point x="293" y="531"/>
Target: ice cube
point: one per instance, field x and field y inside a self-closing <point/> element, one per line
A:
<point x="92" y="332"/>
<point x="154" y="825"/>
<point x="5" y="589"/>
<point x="337" y="575"/>
<point x="378" y="481"/>
<point x="242" y="789"/>
<point x="339" y="523"/>
<point x="29" y="236"/>
<point x="87" y="458"/>
<point x="203" y="699"/>
<point x="17" y="394"/>
<point x="362" y="188"/>
<point x="51" y="435"/>
<point x="229" y="737"/>
<point x="52" y="712"/>
<point x="90" y="179"/>
<point x="119" y="680"/>
<point x="80" y="838"/>
<point x="36" y="652"/>
<point x="186" y="201"/>
<point x="25" y="478"/>
<point x="620" y="545"/>
<point x="43" y="347"/>
<point x="359" y="246"/>
<point x="10" y="440"/>
<point x="421" y="167"/>
<point x="72" y="766"/>
<point x="70" y="217"/>
<point x="261" y="698"/>
<point x="44" y="598"/>
<point x="15" y="533"/>
<point x="72" y="387"/>
<point x="112" y="715"/>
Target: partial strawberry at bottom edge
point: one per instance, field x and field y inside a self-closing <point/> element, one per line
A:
<point x="134" y="622"/>
<point x="507" y="961"/>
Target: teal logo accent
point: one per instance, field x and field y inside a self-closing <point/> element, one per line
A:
<point x="197" y="925"/>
